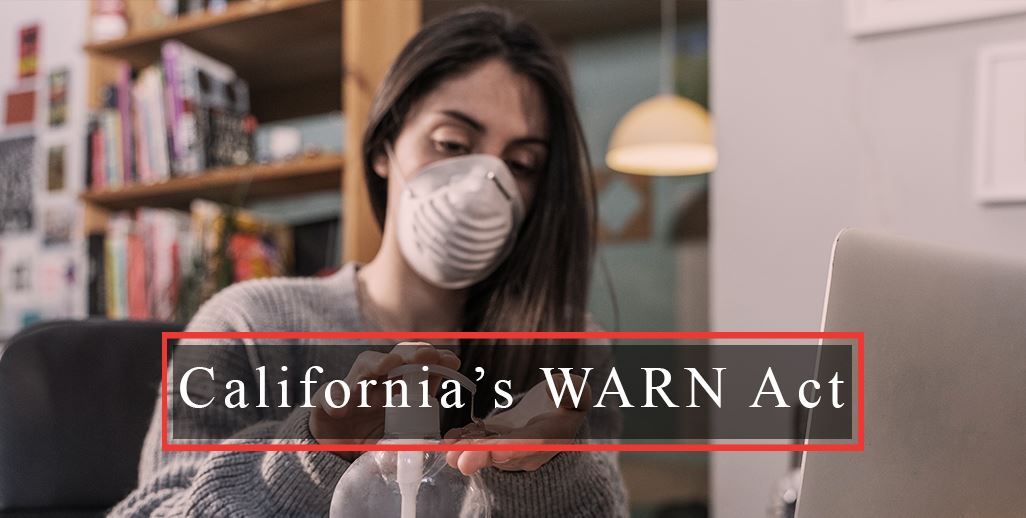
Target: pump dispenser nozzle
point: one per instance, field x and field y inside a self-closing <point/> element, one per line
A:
<point x="419" y="420"/>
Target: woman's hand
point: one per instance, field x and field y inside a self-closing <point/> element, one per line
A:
<point x="534" y="420"/>
<point x="351" y="424"/>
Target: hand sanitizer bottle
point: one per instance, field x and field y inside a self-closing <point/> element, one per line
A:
<point x="410" y="484"/>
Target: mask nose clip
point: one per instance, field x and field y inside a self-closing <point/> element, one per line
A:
<point x="505" y="193"/>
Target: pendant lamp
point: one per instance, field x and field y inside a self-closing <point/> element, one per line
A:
<point x="666" y="135"/>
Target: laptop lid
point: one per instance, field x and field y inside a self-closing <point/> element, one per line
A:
<point x="945" y="383"/>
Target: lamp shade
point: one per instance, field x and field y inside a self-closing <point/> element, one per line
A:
<point x="666" y="135"/>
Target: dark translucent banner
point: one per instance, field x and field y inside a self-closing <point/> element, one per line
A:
<point x="642" y="392"/>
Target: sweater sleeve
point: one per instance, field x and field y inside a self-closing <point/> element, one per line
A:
<point x="234" y="483"/>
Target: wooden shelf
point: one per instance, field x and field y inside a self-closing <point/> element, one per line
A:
<point x="230" y="185"/>
<point x="292" y="53"/>
<point x="275" y="45"/>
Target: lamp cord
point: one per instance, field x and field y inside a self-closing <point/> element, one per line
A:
<point x="669" y="46"/>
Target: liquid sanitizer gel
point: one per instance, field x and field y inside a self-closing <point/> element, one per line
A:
<point x="410" y="484"/>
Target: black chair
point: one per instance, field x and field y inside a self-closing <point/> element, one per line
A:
<point x="76" y="399"/>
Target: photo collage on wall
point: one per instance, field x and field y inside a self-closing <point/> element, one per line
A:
<point x="40" y="249"/>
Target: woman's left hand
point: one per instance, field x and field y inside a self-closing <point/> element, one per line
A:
<point x="534" y="420"/>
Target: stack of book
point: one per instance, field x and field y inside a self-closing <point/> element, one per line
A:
<point x="163" y="264"/>
<point x="174" y="8"/>
<point x="182" y="116"/>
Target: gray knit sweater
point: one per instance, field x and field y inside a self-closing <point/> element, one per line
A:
<point x="301" y="483"/>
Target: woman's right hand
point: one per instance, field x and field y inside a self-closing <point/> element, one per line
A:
<point x="351" y="424"/>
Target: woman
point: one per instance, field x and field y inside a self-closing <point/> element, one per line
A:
<point x="474" y="91"/>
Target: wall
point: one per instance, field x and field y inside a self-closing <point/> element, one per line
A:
<point x="62" y="33"/>
<point x="611" y="74"/>
<point x="818" y="131"/>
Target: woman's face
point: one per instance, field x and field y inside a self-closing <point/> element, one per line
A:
<point x="491" y="110"/>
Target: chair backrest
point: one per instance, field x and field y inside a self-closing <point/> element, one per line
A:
<point x="76" y="398"/>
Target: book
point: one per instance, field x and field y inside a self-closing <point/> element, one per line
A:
<point x="137" y="299"/>
<point x="157" y="128"/>
<point x="113" y="171"/>
<point x="234" y="245"/>
<point x="124" y="107"/>
<point x="181" y="116"/>
<point x="115" y="266"/>
<point x="151" y="144"/>
<point x="167" y="247"/>
<point x="96" y="175"/>
<point x="96" y="285"/>
<point x="140" y="123"/>
<point x="163" y="264"/>
<point x="196" y="85"/>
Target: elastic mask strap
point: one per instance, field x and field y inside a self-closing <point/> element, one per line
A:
<point x="394" y="160"/>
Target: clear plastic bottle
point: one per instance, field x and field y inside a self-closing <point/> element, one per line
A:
<point x="410" y="484"/>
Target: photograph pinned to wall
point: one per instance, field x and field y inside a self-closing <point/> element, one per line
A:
<point x="18" y="283"/>
<point x="55" y="168"/>
<point x="55" y="283"/>
<point x="58" y="105"/>
<point x="16" y="162"/>
<point x="19" y="275"/>
<point x="28" y="51"/>
<point x="999" y="162"/>
<point x="58" y="224"/>
<point x="866" y="17"/>
<point x="20" y="107"/>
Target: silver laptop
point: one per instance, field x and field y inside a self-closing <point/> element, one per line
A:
<point x="945" y="383"/>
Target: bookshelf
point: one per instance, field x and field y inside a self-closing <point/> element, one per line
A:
<point x="285" y="49"/>
<point x="292" y="53"/>
<point x="227" y="184"/>
<point x="145" y="42"/>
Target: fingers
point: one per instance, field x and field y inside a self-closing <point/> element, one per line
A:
<point x="452" y="458"/>
<point x="535" y="420"/>
<point x="376" y="365"/>
<point x="423" y="352"/>
<point x="521" y="460"/>
<point x="467" y="462"/>
<point x="470" y="462"/>
<point x="337" y="395"/>
<point x="373" y="364"/>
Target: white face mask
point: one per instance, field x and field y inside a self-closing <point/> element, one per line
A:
<point x="457" y="219"/>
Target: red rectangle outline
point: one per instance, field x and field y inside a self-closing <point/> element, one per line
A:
<point x="860" y="445"/>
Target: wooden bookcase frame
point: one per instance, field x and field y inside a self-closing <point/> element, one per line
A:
<point x="367" y="38"/>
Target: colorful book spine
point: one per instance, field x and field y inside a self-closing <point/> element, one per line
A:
<point x="124" y="106"/>
<point x="97" y="284"/>
<point x="140" y="125"/>
<point x="137" y="299"/>
<point x="170" y="57"/>
<point x="97" y="167"/>
<point x="116" y="269"/>
<point x="156" y="128"/>
<point x="110" y="121"/>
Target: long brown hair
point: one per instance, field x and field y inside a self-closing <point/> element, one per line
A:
<point x="543" y="284"/>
